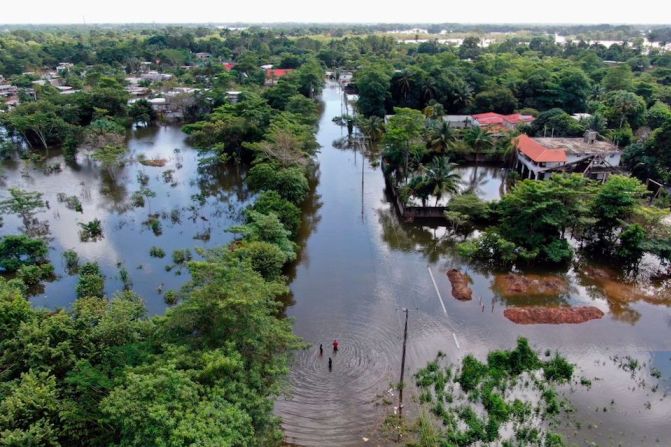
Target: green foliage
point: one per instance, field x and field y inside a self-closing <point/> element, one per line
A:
<point x="558" y="369"/>
<point x="657" y="115"/>
<point x="290" y="183"/>
<point x="142" y="112"/>
<point x="372" y="81"/>
<point x="483" y="403"/>
<point x="71" y="261"/>
<point x="556" y="122"/>
<point x="180" y="257"/>
<point x="267" y="228"/>
<point x="266" y="258"/>
<point x="156" y="252"/>
<point x="91" y="281"/>
<point x="271" y="202"/>
<point x="19" y="250"/>
<point x="22" y="203"/>
<point x="32" y="275"/>
<point x="92" y="230"/>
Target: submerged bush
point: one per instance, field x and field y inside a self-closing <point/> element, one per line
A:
<point x="19" y="250"/>
<point x="156" y="252"/>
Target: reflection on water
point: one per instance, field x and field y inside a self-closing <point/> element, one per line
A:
<point x="194" y="206"/>
<point x="361" y="266"/>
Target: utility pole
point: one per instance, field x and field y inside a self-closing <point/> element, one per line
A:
<point x="400" y="393"/>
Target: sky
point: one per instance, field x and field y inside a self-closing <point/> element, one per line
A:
<point x="359" y="11"/>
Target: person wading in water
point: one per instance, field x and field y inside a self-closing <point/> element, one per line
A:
<point x="335" y="345"/>
<point x="330" y="364"/>
<point x="321" y="349"/>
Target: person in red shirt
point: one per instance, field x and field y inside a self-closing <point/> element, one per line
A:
<point x="335" y="345"/>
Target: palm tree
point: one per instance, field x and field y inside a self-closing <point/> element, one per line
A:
<point x="478" y="139"/>
<point x="441" y="137"/>
<point x="441" y="176"/>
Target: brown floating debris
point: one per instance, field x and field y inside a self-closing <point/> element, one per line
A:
<point x="552" y="315"/>
<point x="155" y="162"/>
<point x="460" y="288"/>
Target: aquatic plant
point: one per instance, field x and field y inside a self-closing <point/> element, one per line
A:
<point x="156" y="252"/>
<point x="487" y="398"/>
<point x="92" y="230"/>
<point x="180" y="257"/>
<point x="71" y="261"/>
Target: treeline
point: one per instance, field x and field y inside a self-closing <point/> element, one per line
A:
<point x="546" y="222"/>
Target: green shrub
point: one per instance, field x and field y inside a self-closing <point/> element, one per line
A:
<point x="266" y="258"/>
<point x="558" y="369"/>
<point x="91" y="281"/>
<point x="290" y="183"/>
<point x="19" y="250"/>
<point x="156" y="252"/>
<point x="288" y="213"/>
<point x="180" y="257"/>
<point x="71" y="261"/>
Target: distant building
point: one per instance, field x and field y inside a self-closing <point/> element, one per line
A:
<point x="64" y="66"/>
<point x="539" y="158"/>
<point x="155" y="76"/>
<point x="274" y="74"/>
<point x="459" y="121"/>
<point x="581" y="116"/>
<point x="228" y="66"/>
<point x="496" y="121"/>
<point x="233" y="96"/>
<point x="203" y="56"/>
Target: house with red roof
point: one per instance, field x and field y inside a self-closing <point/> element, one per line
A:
<point x="228" y="66"/>
<point x="274" y="74"/>
<point x="538" y="158"/>
<point x="496" y="121"/>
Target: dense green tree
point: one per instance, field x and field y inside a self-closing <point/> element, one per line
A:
<point x="372" y="82"/>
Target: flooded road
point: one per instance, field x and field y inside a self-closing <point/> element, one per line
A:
<point x="360" y="267"/>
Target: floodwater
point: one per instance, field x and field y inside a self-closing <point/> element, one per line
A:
<point x="195" y="208"/>
<point x="360" y="267"/>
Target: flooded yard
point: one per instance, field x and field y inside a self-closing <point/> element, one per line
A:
<point x="193" y="209"/>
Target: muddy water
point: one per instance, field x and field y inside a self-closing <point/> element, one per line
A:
<point x="360" y="266"/>
<point x="191" y="204"/>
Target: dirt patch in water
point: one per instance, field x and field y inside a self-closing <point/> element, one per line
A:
<point x="552" y="315"/>
<point x="514" y="285"/>
<point x="624" y="292"/>
<point x="460" y="285"/>
<point x="155" y="162"/>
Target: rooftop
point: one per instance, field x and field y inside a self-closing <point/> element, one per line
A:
<point x="538" y="152"/>
<point x="578" y="146"/>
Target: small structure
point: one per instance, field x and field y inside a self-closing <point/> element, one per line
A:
<point x="459" y="121"/>
<point x="538" y="158"/>
<point x="203" y="56"/>
<point x="496" y="121"/>
<point x="155" y="76"/>
<point x="228" y="66"/>
<point x="274" y="74"/>
<point x="233" y="96"/>
<point x="64" y="66"/>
